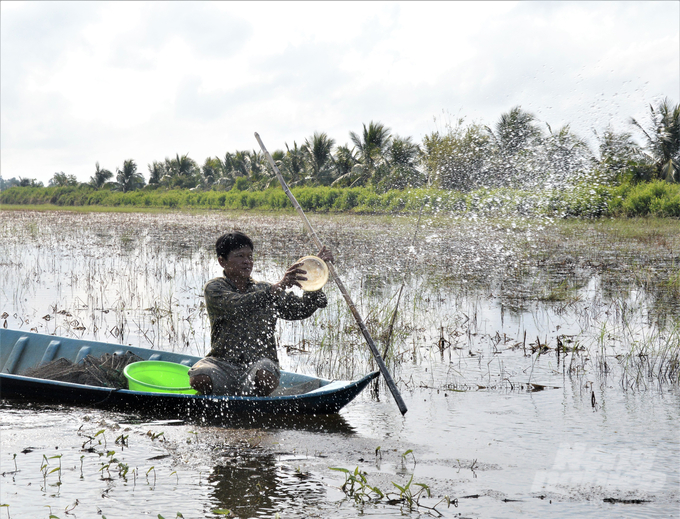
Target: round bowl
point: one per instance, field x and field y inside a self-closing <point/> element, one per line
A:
<point x="317" y="273"/>
<point x="157" y="376"/>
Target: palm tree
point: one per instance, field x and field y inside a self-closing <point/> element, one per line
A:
<point x="318" y="152"/>
<point x="292" y="163"/>
<point x="211" y="170"/>
<point x="458" y="159"/>
<point x="128" y="179"/>
<point x="239" y="163"/>
<point x="100" y="177"/>
<point x="257" y="165"/>
<point x="61" y="179"/>
<point x="403" y="158"/>
<point x="566" y="155"/>
<point x="29" y="182"/>
<point x="345" y="160"/>
<point x="372" y="144"/>
<point x="403" y="152"/>
<point x="181" y="172"/>
<point x="663" y="139"/>
<point x="514" y="136"/>
<point x="183" y="166"/>
<point x="617" y="150"/>
<point x="515" y="131"/>
<point x="157" y="171"/>
<point x="371" y="156"/>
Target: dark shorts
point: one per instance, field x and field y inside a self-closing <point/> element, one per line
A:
<point x="231" y="379"/>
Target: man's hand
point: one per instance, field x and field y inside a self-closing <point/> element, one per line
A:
<point x="290" y="278"/>
<point x="326" y="255"/>
<point x="294" y="274"/>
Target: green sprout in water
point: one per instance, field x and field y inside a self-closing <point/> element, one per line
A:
<point x="410" y="451"/>
<point x="154" y="475"/>
<point x="155" y="436"/>
<point x="122" y="440"/>
<point x="357" y="487"/>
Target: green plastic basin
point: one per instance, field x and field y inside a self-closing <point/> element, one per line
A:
<point x="157" y="376"/>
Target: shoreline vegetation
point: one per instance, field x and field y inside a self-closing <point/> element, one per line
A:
<point x="515" y="168"/>
<point x="655" y="198"/>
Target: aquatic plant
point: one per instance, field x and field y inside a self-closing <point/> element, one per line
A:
<point x="450" y="273"/>
<point x="357" y="487"/>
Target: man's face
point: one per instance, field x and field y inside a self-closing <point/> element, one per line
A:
<point x="239" y="264"/>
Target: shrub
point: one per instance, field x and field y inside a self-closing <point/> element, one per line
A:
<point x="656" y="198"/>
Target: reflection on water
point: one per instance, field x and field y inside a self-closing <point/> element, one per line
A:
<point x="259" y="486"/>
<point x="321" y="424"/>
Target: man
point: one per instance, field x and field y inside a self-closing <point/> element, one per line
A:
<point x="243" y="314"/>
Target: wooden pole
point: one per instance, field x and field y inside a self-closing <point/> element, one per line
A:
<point x="374" y="350"/>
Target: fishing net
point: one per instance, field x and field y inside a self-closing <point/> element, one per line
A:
<point x="104" y="371"/>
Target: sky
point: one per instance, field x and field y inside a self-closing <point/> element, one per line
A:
<point x="88" y="82"/>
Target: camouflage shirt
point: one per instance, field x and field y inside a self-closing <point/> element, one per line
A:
<point x="242" y="324"/>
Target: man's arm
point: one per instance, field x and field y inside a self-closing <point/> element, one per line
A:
<point x="292" y="308"/>
<point x="222" y="298"/>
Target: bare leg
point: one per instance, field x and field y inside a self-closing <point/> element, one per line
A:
<point x="202" y="384"/>
<point x="265" y="382"/>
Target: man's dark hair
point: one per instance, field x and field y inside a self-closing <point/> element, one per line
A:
<point x="232" y="241"/>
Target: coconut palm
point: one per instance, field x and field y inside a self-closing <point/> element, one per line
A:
<point x="403" y="157"/>
<point x="318" y="152"/>
<point x="403" y="152"/>
<point x="129" y="179"/>
<point x="257" y="165"/>
<point x="157" y="171"/>
<point x="371" y="156"/>
<point x="181" y="172"/>
<point x="345" y="159"/>
<point x="663" y="139"/>
<point x="617" y="149"/>
<point x="29" y="182"/>
<point x="239" y="163"/>
<point x="563" y="157"/>
<point x="515" y="140"/>
<point x="211" y="170"/>
<point x="458" y="157"/>
<point x="100" y="177"/>
<point x="292" y="164"/>
<point x="372" y="145"/>
<point x="61" y="179"/>
<point x="514" y="131"/>
<point x="182" y="166"/>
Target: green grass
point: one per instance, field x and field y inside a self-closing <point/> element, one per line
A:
<point x="587" y="200"/>
<point x="82" y="208"/>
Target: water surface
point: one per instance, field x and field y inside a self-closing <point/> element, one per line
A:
<point x="497" y="421"/>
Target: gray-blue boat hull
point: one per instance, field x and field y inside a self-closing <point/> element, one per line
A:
<point x="20" y="351"/>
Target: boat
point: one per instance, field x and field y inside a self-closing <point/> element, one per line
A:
<point x="22" y="351"/>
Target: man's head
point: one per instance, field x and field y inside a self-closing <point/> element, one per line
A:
<point x="232" y="241"/>
<point x="235" y="255"/>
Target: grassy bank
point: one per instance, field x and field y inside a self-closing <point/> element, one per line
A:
<point x="645" y="199"/>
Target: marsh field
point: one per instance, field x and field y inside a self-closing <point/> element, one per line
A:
<point x="539" y="360"/>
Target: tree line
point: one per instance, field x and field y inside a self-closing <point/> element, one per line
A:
<point x="515" y="152"/>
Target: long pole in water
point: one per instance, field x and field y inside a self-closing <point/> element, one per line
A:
<point x="374" y="350"/>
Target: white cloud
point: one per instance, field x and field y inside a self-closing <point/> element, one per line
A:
<point x="87" y="82"/>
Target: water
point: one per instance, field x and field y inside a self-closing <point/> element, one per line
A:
<point x="499" y="429"/>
